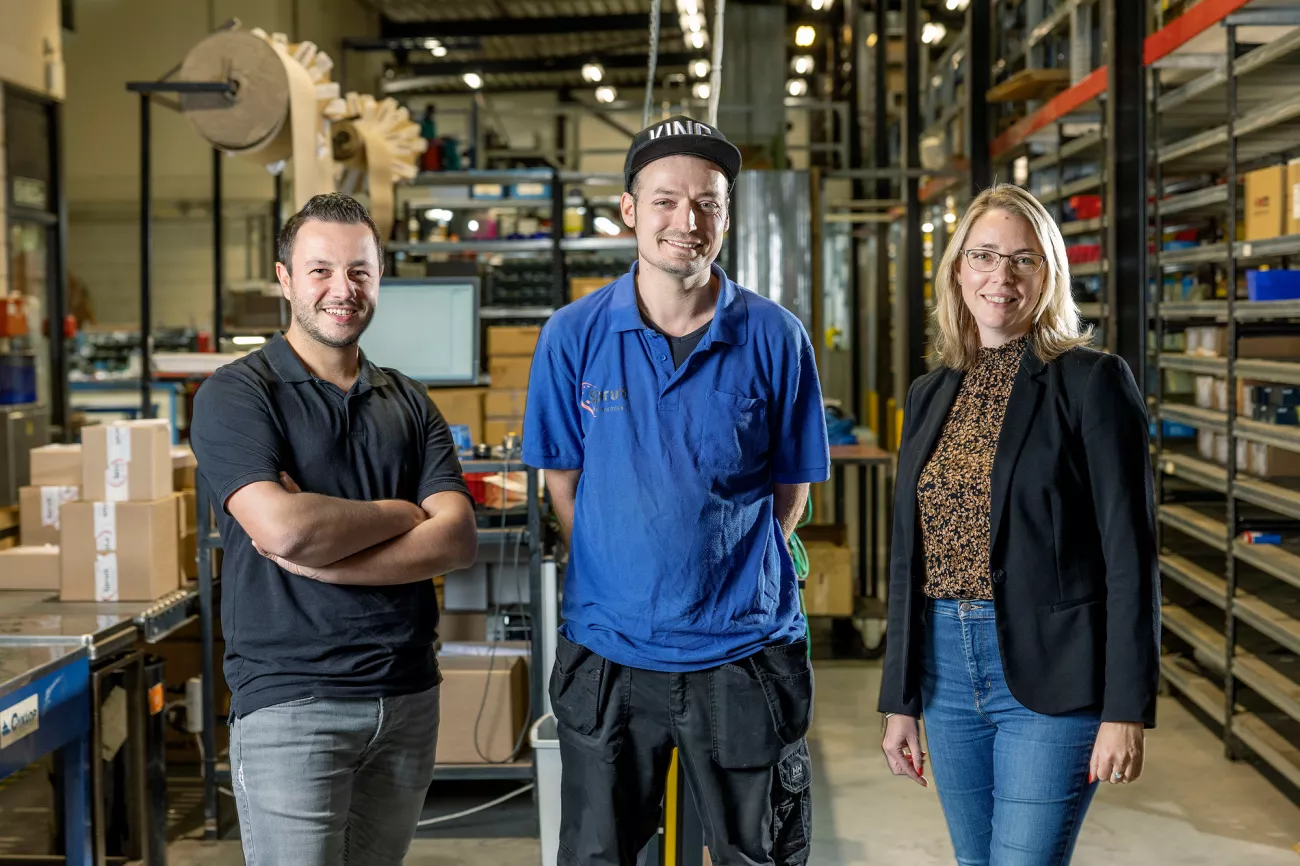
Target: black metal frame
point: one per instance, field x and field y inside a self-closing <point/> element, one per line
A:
<point x="147" y="91"/>
<point x="1230" y="559"/>
<point x="1126" y="184"/>
<point x="978" y="80"/>
<point x="913" y="286"/>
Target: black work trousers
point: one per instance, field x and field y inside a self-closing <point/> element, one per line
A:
<point x="739" y="730"/>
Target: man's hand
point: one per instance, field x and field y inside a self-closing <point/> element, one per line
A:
<point x="289" y="484"/>
<point x="1118" y="753"/>
<point x="291" y="567"/>
<point x="902" y="747"/>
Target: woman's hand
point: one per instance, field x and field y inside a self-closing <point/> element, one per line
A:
<point x="902" y="748"/>
<point x="1119" y="749"/>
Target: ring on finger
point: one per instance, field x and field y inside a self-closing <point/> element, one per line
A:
<point x="1116" y="776"/>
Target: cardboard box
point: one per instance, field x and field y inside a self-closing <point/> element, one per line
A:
<point x="1210" y="341"/>
<point x="1278" y="347"/>
<point x="8" y="520"/>
<point x="580" y="287"/>
<point x="38" y="509"/>
<point x="501" y="403"/>
<point x="187" y="511"/>
<point x="829" y="591"/>
<point x="464" y="683"/>
<point x="495" y="429"/>
<point x="510" y="373"/>
<point x="1265" y="217"/>
<point x="1291" y="198"/>
<point x="184" y="465"/>
<point x="461" y="406"/>
<point x="30" y="568"/>
<point x="56" y="466"/>
<point x="126" y="461"/>
<point x="462" y="626"/>
<point x="1269" y="462"/>
<point x="188" y="550"/>
<point x="120" y="551"/>
<point x="512" y="340"/>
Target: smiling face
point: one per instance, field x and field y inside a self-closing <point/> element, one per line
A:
<point x="679" y="213"/>
<point x="1001" y="301"/>
<point x="334" y="285"/>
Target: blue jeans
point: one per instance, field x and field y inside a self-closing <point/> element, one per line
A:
<point x="1013" y="783"/>
<point x="327" y="782"/>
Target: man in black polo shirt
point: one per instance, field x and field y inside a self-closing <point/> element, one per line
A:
<point x="340" y="499"/>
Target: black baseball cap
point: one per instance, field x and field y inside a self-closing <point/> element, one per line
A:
<point x="681" y="136"/>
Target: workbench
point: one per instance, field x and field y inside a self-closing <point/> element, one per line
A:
<point x="45" y="709"/>
<point x="105" y="637"/>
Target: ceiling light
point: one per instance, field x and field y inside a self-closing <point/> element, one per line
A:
<point x="431" y="44"/>
<point x="248" y="341"/>
<point x="796" y="87"/>
<point x="697" y="40"/>
<point x="700" y="68"/>
<point x="692" y="23"/>
<point x="871" y="40"/>
<point x="439" y="50"/>
<point x="606" y="226"/>
<point x="438" y="215"/>
<point x="950" y="218"/>
<point x="473" y="80"/>
<point x="933" y="33"/>
<point x="805" y="36"/>
<point x="688" y="7"/>
<point x="820" y="5"/>
<point x="957" y="5"/>
<point x="701" y="90"/>
<point x="606" y="94"/>
<point x="936" y="82"/>
<point x="473" y="225"/>
<point x="592" y="72"/>
<point x="803" y="64"/>
<point x="927" y="227"/>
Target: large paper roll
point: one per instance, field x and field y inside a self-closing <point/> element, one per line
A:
<point x="379" y="142"/>
<point x="275" y="113"/>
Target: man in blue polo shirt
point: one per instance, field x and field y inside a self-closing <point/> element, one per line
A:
<point x="680" y="419"/>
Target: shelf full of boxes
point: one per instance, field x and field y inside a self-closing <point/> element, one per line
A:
<point x="1051" y="138"/>
<point x="1226" y="342"/>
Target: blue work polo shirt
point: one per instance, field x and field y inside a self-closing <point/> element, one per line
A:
<point x="677" y="560"/>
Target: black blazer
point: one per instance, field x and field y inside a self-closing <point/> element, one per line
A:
<point x="1071" y="534"/>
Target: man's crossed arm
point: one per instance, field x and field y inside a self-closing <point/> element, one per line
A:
<point x="355" y="542"/>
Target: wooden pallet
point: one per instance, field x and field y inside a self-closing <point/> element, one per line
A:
<point x="1030" y="84"/>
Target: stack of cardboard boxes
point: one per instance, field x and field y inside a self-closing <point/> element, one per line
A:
<point x="101" y="521"/>
<point x="1272" y="202"/>
<point x="510" y="360"/>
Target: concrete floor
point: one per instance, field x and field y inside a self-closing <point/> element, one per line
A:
<point x="1191" y="808"/>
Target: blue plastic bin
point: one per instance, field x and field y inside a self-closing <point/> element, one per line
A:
<point x="1273" y="285"/>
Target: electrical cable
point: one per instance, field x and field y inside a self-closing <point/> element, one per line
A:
<point x="655" y="6"/>
<point x="715" y="80"/>
<point x="802" y="567"/>
<point x="429" y="822"/>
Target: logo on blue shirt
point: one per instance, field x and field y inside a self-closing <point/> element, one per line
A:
<point x="596" y="399"/>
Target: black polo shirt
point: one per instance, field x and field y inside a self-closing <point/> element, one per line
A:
<point x="289" y="637"/>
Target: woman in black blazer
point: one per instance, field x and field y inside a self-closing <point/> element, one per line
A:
<point x="1024" y="615"/>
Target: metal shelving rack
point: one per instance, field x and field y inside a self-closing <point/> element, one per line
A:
<point x="1232" y="609"/>
<point x="531" y="536"/>
<point x="557" y="245"/>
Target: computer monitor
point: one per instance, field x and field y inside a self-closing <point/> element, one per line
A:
<point x="427" y="328"/>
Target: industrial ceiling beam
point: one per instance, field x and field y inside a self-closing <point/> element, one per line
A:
<point x="520" y="26"/>
<point x="565" y="63"/>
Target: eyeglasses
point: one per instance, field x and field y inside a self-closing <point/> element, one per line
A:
<point x="1022" y="264"/>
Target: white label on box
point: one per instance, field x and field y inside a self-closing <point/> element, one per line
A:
<point x="51" y="499"/>
<point x="20" y="720"/>
<point x="1295" y="201"/>
<point x="117" y="476"/>
<point x="106" y="577"/>
<point x="105" y="527"/>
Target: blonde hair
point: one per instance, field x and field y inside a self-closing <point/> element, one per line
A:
<point x="1055" y="328"/>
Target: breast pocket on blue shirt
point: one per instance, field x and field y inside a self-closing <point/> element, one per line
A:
<point x="734" y="434"/>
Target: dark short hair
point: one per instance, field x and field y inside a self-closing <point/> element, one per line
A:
<point x="329" y="207"/>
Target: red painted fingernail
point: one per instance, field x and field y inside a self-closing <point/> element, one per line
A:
<point x="1091" y="778"/>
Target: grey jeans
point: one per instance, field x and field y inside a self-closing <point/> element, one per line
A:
<point x="328" y="782"/>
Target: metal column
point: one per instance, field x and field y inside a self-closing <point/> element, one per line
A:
<point x="1230" y="560"/>
<point x="978" y="77"/>
<point x="56" y="296"/>
<point x="882" y="384"/>
<point x="1126" y="188"/>
<point x="146" y="263"/>
<point x="218" y="252"/>
<point x="912" y="298"/>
